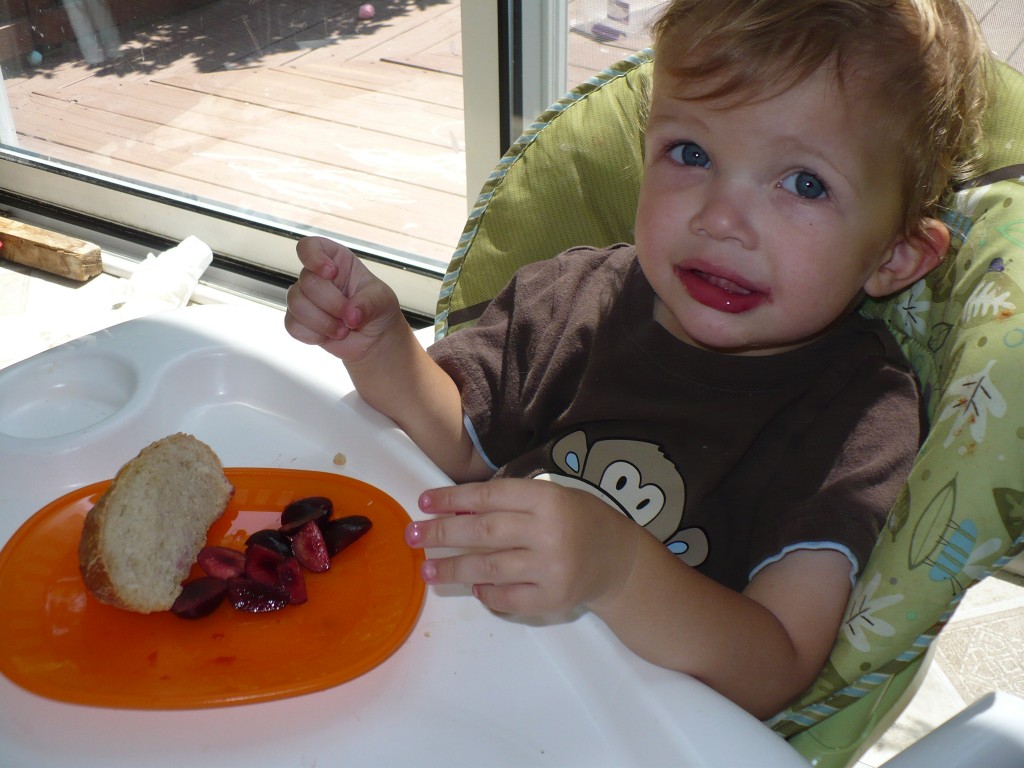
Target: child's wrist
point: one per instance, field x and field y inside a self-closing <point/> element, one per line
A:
<point x="621" y="569"/>
<point x="387" y="347"/>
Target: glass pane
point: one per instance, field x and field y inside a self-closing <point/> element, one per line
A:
<point x="1002" y="21"/>
<point x="602" y="32"/>
<point x="336" y="115"/>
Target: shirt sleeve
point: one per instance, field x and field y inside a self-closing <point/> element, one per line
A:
<point x="843" y="474"/>
<point x="519" y="362"/>
<point x="475" y="358"/>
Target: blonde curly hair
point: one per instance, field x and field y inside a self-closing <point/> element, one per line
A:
<point x="926" y="61"/>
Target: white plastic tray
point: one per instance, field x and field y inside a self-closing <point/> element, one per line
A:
<point x="467" y="688"/>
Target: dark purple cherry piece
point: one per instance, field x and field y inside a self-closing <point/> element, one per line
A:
<point x="339" y="533"/>
<point x="310" y="548"/>
<point x="199" y="597"/>
<point x="289" y="576"/>
<point x="273" y="540"/>
<point x="221" y="562"/>
<point x="254" y="597"/>
<point x="261" y="564"/>
<point x="302" y="511"/>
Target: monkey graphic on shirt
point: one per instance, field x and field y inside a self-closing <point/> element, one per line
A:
<point x="638" y="480"/>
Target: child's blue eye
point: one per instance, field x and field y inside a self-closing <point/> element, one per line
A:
<point x="804" y="184"/>
<point x="688" y="153"/>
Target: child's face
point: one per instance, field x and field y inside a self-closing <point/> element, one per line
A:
<point x="760" y="224"/>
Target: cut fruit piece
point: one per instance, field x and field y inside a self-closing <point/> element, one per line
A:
<point x="269" y="573"/>
<point x="199" y="597"/>
<point x="310" y="549"/>
<point x="289" y="576"/>
<point x="339" y="533"/>
<point x="261" y="564"/>
<point x="221" y="562"/>
<point x="273" y="540"/>
<point x="302" y="511"/>
<point x="252" y="596"/>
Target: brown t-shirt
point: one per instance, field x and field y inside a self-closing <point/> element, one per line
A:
<point x="732" y="461"/>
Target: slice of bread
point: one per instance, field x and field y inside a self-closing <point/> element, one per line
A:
<point x="141" y="539"/>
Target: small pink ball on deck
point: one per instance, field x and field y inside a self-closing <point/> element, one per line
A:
<point x="366" y="11"/>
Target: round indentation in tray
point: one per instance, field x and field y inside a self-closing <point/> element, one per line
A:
<point x="58" y="397"/>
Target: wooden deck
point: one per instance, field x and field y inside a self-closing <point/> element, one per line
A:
<point x="285" y="107"/>
<point x="300" y="110"/>
<point x="349" y="126"/>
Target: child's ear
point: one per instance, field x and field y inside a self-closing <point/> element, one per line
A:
<point x="913" y="256"/>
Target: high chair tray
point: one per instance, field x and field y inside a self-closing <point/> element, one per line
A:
<point x="465" y="688"/>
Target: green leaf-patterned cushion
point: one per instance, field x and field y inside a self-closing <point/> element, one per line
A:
<point x="961" y="514"/>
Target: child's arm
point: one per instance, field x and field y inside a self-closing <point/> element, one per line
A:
<point x="538" y="548"/>
<point x="338" y="304"/>
<point x="761" y="648"/>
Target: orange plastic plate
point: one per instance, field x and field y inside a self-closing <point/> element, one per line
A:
<point x="58" y="641"/>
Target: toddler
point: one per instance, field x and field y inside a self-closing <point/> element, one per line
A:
<point x="696" y="436"/>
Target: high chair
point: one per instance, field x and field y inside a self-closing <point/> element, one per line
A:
<point x="573" y="178"/>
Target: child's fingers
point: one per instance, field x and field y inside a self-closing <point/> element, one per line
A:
<point x="510" y="566"/>
<point x="503" y="581"/>
<point x="520" y="599"/>
<point x="335" y="295"/>
<point x="510" y="495"/>
<point x="302" y="332"/>
<point x="492" y="531"/>
<point x="372" y="301"/>
<point x="318" y="254"/>
<point x="314" y="310"/>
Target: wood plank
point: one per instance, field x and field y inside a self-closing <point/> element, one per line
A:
<point x="334" y="26"/>
<point x="420" y="38"/>
<point x="384" y="77"/>
<point x="407" y="161"/>
<point x="237" y="31"/>
<point x="339" y="103"/>
<point x="49" y="251"/>
<point x="433" y="62"/>
<point x="442" y="52"/>
<point x="342" y="226"/>
<point x="252" y="179"/>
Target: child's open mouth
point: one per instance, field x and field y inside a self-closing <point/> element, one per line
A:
<point x="719" y="292"/>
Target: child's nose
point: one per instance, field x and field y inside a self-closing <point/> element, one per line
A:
<point x="725" y="214"/>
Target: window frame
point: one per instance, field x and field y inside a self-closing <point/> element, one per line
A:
<point x="254" y="254"/>
<point x="248" y="250"/>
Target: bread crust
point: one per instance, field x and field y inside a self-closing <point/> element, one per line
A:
<point x="94" y="549"/>
<point x="90" y="560"/>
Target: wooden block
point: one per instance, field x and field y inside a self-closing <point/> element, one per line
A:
<point x="52" y="252"/>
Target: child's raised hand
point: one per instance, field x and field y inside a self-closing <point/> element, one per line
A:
<point x="336" y="302"/>
<point x="532" y="547"/>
